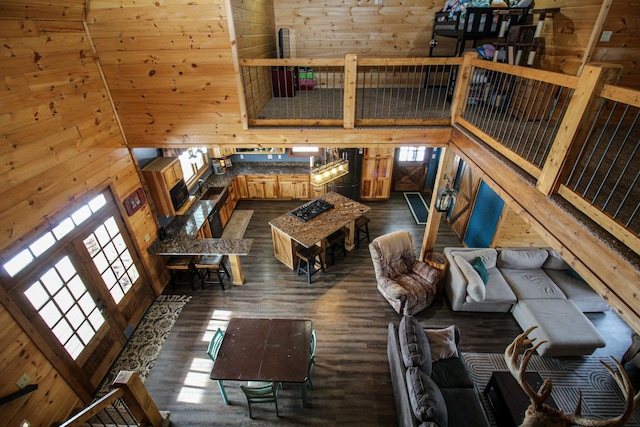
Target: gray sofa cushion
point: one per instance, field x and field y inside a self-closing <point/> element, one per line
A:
<point x="554" y="261"/>
<point x="532" y="284"/>
<point x="469" y="411"/>
<point x="522" y="259"/>
<point x="426" y="398"/>
<point x="414" y="344"/>
<point x="489" y="256"/>
<point x="451" y="373"/>
<point x="582" y="295"/>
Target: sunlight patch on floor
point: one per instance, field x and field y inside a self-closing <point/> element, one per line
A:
<point x="197" y="381"/>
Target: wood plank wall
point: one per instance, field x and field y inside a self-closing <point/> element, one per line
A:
<point x="333" y="28"/>
<point x="170" y="70"/>
<point x="254" y="22"/>
<point x="513" y="232"/>
<point x="624" y="47"/>
<point x="60" y="141"/>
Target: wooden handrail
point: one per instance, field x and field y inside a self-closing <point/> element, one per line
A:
<point x="13" y="396"/>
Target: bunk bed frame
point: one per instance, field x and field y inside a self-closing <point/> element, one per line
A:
<point x="475" y="24"/>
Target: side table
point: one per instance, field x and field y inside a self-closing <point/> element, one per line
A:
<point x="440" y="263"/>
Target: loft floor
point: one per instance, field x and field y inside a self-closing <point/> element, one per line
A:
<point x="352" y="374"/>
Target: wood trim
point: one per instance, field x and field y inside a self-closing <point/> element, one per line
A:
<point x="606" y="222"/>
<point x="350" y="74"/>
<point x="528" y="73"/>
<point x="242" y="97"/>
<point x="621" y="94"/>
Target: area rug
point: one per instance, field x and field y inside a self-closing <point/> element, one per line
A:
<point x="237" y="224"/>
<point x="141" y="351"/>
<point x="601" y="397"/>
<point x="418" y="206"/>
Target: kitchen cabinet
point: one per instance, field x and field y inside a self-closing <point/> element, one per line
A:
<point x="377" y="171"/>
<point x="204" y="232"/>
<point x="226" y="210"/>
<point x="161" y="175"/>
<point x="262" y="186"/>
<point x="318" y="191"/>
<point x="240" y="185"/>
<point x="293" y="187"/>
<point x="221" y="152"/>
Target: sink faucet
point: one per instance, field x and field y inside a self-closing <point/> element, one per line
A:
<point x="200" y="184"/>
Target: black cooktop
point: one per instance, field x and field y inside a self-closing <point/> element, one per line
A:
<point x="311" y="209"/>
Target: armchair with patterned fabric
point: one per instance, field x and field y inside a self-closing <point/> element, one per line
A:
<point x="408" y="284"/>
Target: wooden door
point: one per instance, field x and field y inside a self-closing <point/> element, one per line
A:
<point x="467" y="186"/>
<point x="410" y="176"/>
<point x="80" y="290"/>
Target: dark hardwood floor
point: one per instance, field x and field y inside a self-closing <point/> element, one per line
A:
<point x="352" y="383"/>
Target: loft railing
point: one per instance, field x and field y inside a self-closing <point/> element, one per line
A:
<point x="518" y="111"/>
<point x="349" y="92"/>
<point x="128" y="404"/>
<point x="578" y="136"/>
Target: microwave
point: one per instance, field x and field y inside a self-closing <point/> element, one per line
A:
<point x="179" y="194"/>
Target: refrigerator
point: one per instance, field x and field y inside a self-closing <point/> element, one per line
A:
<point x="349" y="185"/>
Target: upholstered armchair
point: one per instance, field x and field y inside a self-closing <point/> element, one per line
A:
<point x="407" y="283"/>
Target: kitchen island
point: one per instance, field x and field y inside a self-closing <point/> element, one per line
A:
<point x="182" y="239"/>
<point x="287" y="231"/>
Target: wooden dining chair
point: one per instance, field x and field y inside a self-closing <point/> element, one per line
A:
<point x="261" y="392"/>
<point x="212" y="351"/>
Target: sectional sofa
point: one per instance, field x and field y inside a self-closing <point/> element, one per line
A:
<point x="536" y="285"/>
<point x="431" y="384"/>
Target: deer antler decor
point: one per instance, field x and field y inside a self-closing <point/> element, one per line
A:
<point x="539" y="414"/>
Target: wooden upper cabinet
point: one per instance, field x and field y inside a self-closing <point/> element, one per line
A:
<point x="373" y="153"/>
<point x="161" y="175"/>
<point x="293" y="186"/>
<point x="221" y="152"/>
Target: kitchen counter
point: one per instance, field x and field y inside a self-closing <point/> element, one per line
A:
<point x="287" y="230"/>
<point x="182" y="239"/>
<point x="257" y="168"/>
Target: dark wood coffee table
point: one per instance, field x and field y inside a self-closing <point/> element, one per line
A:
<point x="265" y="350"/>
<point x="508" y="401"/>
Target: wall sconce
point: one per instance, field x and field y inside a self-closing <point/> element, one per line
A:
<point x="445" y="199"/>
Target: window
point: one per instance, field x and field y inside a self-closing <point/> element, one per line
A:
<point x="412" y="154"/>
<point x="193" y="162"/>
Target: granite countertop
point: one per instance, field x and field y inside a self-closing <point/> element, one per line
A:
<point x="182" y="231"/>
<point x="309" y="233"/>
<point x="257" y="168"/>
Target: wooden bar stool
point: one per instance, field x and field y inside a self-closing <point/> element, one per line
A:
<point x="336" y="241"/>
<point x="362" y="226"/>
<point x="307" y="260"/>
<point x="208" y="264"/>
<point x="179" y="264"/>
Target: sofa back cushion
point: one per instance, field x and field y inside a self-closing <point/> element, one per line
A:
<point x="555" y="261"/>
<point x="426" y="398"/>
<point x="489" y="256"/>
<point x="522" y="259"/>
<point x="414" y="344"/>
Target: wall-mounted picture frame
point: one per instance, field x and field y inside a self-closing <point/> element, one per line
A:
<point x="134" y="201"/>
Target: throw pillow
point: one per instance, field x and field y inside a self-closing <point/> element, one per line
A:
<point x="414" y="344"/>
<point x="475" y="286"/>
<point x="478" y="265"/>
<point x="443" y="343"/>
<point x="426" y="398"/>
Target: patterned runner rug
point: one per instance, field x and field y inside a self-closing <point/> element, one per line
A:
<point x="141" y="351"/>
<point x="601" y="397"/>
